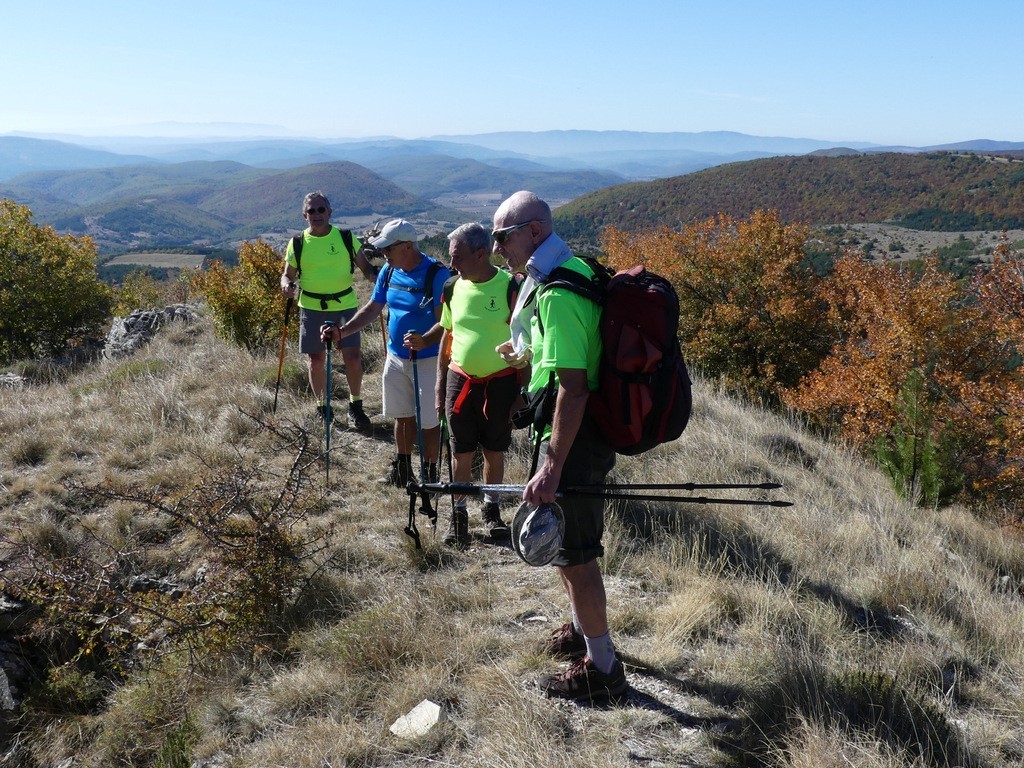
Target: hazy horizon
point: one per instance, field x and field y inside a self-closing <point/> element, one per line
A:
<point x="913" y="74"/>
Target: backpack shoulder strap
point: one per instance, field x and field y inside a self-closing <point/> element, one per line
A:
<point x="449" y="289"/>
<point x="428" y="284"/>
<point x="297" y="250"/>
<point x="515" y="283"/>
<point x="593" y="287"/>
<point x="346" y="238"/>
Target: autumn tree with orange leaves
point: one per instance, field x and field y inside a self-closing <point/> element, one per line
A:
<point x="992" y="406"/>
<point x="748" y="311"/>
<point x="912" y="346"/>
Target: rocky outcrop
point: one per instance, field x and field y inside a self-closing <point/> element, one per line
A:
<point x="127" y="334"/>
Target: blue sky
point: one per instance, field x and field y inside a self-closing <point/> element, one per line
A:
<point x="896" y="72"/>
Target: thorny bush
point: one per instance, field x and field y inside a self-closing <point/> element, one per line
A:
<point x="245" y="533"/>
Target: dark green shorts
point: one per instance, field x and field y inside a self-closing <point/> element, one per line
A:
<point x="589" y="462"/>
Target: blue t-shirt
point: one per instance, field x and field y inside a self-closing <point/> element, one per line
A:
<point x="405" y="297"/>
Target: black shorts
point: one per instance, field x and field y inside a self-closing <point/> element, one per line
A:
<point x="589" y="461"/>
<point x="484" y="414"/>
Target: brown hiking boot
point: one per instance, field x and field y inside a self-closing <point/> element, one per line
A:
<point x="565" y="643"/>
<point x="582" y="681"/>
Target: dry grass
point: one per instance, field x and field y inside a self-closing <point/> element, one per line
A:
<point x="753" y="635"/>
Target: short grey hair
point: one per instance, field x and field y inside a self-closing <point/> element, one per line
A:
<point x="312" y="196"/>
<point x="474" y="235"/>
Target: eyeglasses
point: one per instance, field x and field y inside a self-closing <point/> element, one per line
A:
<point x="319" y="209"/>
<point x="501" y="235"/>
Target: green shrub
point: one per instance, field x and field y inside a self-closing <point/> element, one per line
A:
<point x="50" y="294"/>
<point x="246" y="301"/>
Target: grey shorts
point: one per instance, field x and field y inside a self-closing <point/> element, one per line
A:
<point x="310" y="321"/>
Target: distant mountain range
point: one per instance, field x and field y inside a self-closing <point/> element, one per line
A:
<point x="130" y="192"/>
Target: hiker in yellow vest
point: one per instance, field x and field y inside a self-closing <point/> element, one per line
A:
<point x="475" y="387"/>
<point x="325" y="272"/>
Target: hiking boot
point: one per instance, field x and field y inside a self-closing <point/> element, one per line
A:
<point x="357" y="418"/>
<point x="582" y="681"/>
<point x="399" y="474"/>
<point x="321" y="411"/>
<point x="432" y="474"/>
<point x="458" y="529"/>
<point x="566" y="643"/>
<point x="492" y="519"/>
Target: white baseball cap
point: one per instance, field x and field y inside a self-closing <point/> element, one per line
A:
<point x="395" y="231"/>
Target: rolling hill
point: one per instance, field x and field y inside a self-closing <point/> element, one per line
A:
<point x="204" y="203"/>
<point x="934" y="191"/>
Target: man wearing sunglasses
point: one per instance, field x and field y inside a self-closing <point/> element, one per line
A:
<point x="410" y="286"/>
<point x="325" y="273"/>
<point x="557" y="331"/>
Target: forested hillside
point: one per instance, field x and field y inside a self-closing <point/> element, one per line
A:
<point x="938" y="191"/>
<point x="202" y="203"/>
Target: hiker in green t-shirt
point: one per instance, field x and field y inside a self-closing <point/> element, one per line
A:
<point x="325" y="270"/>
<point x="557" y="332"/>
<point x="476" y="389"/>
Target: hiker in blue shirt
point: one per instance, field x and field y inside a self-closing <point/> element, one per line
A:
<point x="410" y="286"/>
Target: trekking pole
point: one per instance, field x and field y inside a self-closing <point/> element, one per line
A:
<point x="327" y="409"/>
<point x="676" y="486"/>
<point x="284" y="336"/>
<point x="426" y="507"/>
<point x="448" y="454"/>
<point x="596" y="491"/>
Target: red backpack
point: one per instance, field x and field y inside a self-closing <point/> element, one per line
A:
<point x="643" y="396"/>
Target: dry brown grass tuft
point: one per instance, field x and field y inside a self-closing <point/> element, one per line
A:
<point x="716" y="608"/>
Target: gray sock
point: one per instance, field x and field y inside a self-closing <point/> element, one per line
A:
<point x="601" y="652"/>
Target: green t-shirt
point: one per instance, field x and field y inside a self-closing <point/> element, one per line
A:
<point x="326" y="269"/>
<point x="571" y="336"/>
<point x="478" y="320"/>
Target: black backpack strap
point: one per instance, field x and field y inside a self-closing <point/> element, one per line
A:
<point x="449" y="289"/>
<point x="297" y="251"/>
<point x="346" y="238"/>
<point x="515" y="283"/>
<point x="594" y="287"/>
<point x="428" y="284"/>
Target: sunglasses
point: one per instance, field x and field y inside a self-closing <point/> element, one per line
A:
<point x="501" y="235"/>
<point x="319" y="209"/>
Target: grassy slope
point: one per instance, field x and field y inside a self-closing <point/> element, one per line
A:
<point x="729" y="616"/>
